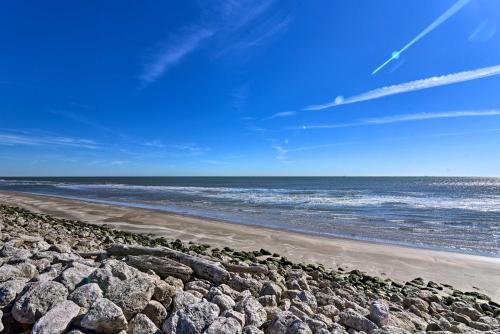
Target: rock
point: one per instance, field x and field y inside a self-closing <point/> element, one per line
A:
<point x="353" y="319"/>
<point x="183" y="299"/>
<point x="282" y="323"/>
<point x="86" y="295"/>
<point x="252" y="330"/>
<point x="224" y="302"/>
<point x="74" y="276"/>
<point x="193" y="318"/>
<point x="164" y="292"/>
<point x="10" y="289"/>
<point x="329" y="310"/>
<point x="131" y="295"/>
<point x="379" y="313"/>
<point x="38" y="298"/>
<point x="241" y="284"/>
<point x="8" y="271"/>
<point x="224" y="325"/>
<point x="57" y="319"/>
<point x="255" y="314"/>
<point x="240" y="317"/>
<point x="162" y="266"/>
<point x="1" y="323"/>
<point x="470" y="312"/>
<point x="156" y="312"/>
<point x="141" y="324"/>
<point x="105" y="317"/>
<point x="271" y="288"/>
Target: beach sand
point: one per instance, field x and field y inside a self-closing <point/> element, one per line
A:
<point x="465" y="272"/>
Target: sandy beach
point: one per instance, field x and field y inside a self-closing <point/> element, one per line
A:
<point x="466" y="272"/>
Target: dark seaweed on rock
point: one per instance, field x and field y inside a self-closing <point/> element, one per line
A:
<point x="64" y="276"/>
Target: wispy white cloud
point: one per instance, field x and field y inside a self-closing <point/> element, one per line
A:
<point x="281" y="152"/>
<point x="457" y="6"/>
<point x="227" y="22"/>
<point x="171" y="54"/>
<point x="411" y="86"/>
<point x="280" y="115"/>
<point x="406" y="118"/>
<point x="12" y="139"/>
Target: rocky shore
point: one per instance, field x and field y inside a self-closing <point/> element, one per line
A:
<point x="63" y="276"/>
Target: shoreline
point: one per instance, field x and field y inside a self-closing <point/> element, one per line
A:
<point x="275" y="228"/>
<point x="399" y="263"/>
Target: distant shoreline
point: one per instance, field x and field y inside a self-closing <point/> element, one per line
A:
<point x="468" y="272"/>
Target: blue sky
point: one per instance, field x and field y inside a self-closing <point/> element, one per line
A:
<point x="246" y="87"/>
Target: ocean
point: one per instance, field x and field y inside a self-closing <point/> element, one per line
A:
<point x="445" y="213"/>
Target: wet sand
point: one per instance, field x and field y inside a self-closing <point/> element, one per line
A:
<point x="465" y="272"/>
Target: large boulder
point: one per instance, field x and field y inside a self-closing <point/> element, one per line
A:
<point x="104" y="317"/>
<point x="162" y="266"/>
<point x="192" y="319"/>
<point x="57" y="320"/>
<point x="37" y="299"/>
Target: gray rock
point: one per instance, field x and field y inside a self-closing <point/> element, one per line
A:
<point x="156" y="312"/>
<point x="86" y="295"/>
<point x="353" y="319"/>
<point x="105" y="317"/>
<point x="192" y="319"/>
<point x="241" y="284"/>
<point x="1" y="323"/>
<point x="282" y="323"/>
<point x="141" y="324"/>
<point x="76" y="275"/>
<point x="57" y="319"/>
<point x="271" y="288"/>
<point x="183" y="299"/>
<point x="224" y="325"/>
<point x="162" y="266"/>
<point x="131" y="295"/>
<point x="24" y="270"/>
<point x="37" y="299"/>
<point x="252" y="330"/>
<point x="164" y="292"/>
<point x="240" y="317"/>
<point x="379" y="313"/>
<point x="255" y="314"/>
<point x="224" y="302"/>
<point x="10" y="289"/>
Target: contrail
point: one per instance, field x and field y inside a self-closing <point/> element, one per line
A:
<point x="445" y="16"/>
<point x="411" y="86"/>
